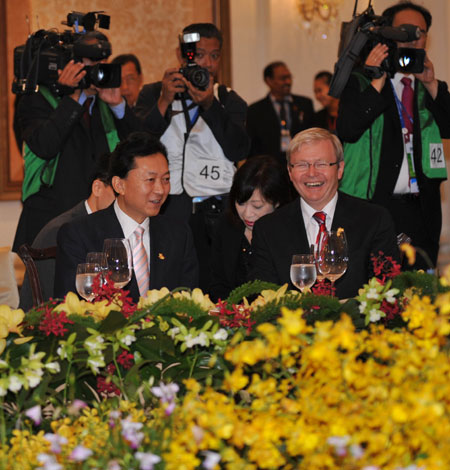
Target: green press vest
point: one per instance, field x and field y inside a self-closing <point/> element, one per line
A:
<point x="40" y="172"/>
<point x="362" y="158"/>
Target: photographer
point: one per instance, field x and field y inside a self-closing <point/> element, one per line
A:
<point x="203" y="130"/>
<point x="392" y="130"/>
<point x="63" y="137"/>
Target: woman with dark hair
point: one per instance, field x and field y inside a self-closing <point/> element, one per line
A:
<point x="259" y="187"/>
<point x="326" y="117"/>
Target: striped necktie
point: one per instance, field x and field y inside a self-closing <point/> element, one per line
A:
<point x="140" y="261"/>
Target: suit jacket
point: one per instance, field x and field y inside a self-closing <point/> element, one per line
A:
<point x="263" y="125"/>
<point x="225" y="253"/>
<point x="357" y="111"/>
<point x="173" y="261"/>
<point x="46" y="268"/>
<point x="276" y="237"/>
<point x="49" y="132"/>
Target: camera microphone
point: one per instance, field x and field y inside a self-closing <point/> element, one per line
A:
<point x="402" y="33"/>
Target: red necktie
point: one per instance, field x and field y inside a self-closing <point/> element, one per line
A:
<point x="320" y="218"/>
<point x="408" y="104"/>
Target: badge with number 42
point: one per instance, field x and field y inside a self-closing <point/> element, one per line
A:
<point x="437" y="159"/>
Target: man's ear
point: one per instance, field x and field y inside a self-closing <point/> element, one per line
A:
<point x="118" y="185"/>
<point x="96" y="187"/>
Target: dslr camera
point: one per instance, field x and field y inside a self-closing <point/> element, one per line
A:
<point x="359" y="36"/>
<point x="198" y="76"/>
<point x="46" y="51"/>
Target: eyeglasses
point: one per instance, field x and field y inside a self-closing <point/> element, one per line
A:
<point x="318" y="165"/>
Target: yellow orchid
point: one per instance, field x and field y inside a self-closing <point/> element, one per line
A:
<point x="72" y="304"/>
<point x="409" y="251"/>
<point x="198" y="297"/>
<point x="11" y="318"/>
<point x="152" y="296"/>
<point x="270" y="295"/>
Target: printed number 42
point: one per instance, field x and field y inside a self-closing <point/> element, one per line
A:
<point x="211" y="172"/>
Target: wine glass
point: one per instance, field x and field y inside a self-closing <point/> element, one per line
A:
<point x="332" y="257"/>
<point x="84" y="281"/>
<point x="321" y="268"/>
<point x="99" y="258"/>
<point x="120" y="260"/>
<point x="303" y="271"/>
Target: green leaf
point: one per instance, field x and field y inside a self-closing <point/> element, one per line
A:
<point x="113" y="322"/>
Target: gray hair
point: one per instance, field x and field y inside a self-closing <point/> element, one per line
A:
<point x="315" y="134"/>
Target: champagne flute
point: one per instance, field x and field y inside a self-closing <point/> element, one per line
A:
<point x="120" y="260"/>
<point x="303" y="271"/>
<point x="86" y="273"/>
<point x="333" y="257"/>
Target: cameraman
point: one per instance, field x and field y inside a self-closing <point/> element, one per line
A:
<point x="65" y="136"/>
<point x="204" y="133"/>
<point x="392" y="131"/>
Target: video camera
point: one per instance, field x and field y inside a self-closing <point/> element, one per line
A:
<point x="365" y="31"/>
<point x="46" y="51"/>
<point x="198" y="76"/>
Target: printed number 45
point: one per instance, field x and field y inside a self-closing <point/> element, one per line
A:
<point x="211" y="172"/>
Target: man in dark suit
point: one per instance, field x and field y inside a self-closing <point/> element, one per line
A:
<point x="102" y="195"/>
<point x="64" y="137"/>
<point x="315" y="165"/>
<point x="272" y="121"/>
<point x="392" y="129"/>
<point x="140" y="178"/>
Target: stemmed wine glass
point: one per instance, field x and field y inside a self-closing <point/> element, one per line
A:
<point x="303" y="271"/>
<point x="120" y="260"/>
<point x="332" y="255"/>
<point x="84" y="281"/>
<point x="99" y="257"/>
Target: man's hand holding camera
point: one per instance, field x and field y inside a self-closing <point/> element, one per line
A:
<point x="427" y="77"/>
<point x="71" y="75"/>
<point x="174" y="82"/>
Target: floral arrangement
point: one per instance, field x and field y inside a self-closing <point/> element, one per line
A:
<point x="285" y="381"/>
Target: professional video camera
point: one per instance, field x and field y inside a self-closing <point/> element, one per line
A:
<point x="46" y="51"/>
<point x="365" y="31"/>
<point x="198" y="76"/>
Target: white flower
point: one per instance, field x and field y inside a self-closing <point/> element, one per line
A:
<point x="113" y="465"/>
<point x="53" y="367"/>
<point x="128" y="339"/>
<point x="33" y="377"/>
<point x="62" y="352"/>
<point x="130" y="432"/>
<point x="167" y="393"/>
<point x="362" y="306"/>
<point x="372" y="294"/>
<point x="221" y="334"/>
<point x="80" y="453"/>
<point x="95" y="362"/>
<point x="56" y="441"/>
<point x="173" y="332"/>
<point x="48" y="462"/>
<point x="374" y="315"/>
<point x="15" y="383"/>
<point x="390" y="295"/>
<point x="35" y="414"/>
<point x="211" y="459"/>
<point x="147" y="460"/>
<point x="357" y="451"/>
<point x="191" y="341"/>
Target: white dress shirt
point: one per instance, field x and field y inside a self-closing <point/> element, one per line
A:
<point x="311" y="226"/>
<point x="129" y="225"/>
<point x="402" y="185"/>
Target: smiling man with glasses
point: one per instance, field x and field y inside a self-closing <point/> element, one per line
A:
<point x="315" y="165"/>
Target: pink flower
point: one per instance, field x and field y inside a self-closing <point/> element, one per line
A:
<point x="56" y="441"/>
<point x="147" y="460"/>
<point x="34" y="414"/>
<point x="80" y="453"/>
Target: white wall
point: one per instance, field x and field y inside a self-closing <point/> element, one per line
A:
<point x="268" y="30"/>
<point x="9" y="216"/>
